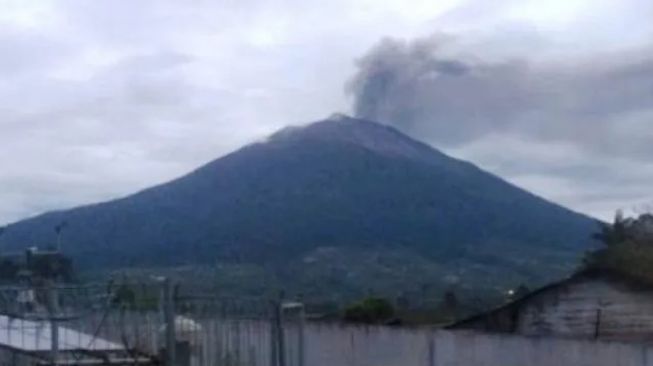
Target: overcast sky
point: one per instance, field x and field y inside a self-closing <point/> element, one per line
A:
<point x="99" y="99"/>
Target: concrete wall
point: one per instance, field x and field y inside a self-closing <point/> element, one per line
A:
<point x="330" y="345"/>
<point x="248" y="343"/>
<point x="10" y="357"/>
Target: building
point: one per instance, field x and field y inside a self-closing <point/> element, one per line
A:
<point x="35" y="265"/>
<point x="591" y="305"/>
<point x="29" y="343"/>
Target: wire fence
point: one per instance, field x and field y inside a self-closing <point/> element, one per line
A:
<point x="153" y="324"/>
<point x="145" y="324"/>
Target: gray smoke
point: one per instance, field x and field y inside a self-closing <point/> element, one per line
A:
<point x="604" y="104"/>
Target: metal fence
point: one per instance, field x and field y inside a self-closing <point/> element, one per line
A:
<point x="145" y="324"/>
<point x="153" y="324"/>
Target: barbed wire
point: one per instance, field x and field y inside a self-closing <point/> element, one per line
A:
<point x="125" y="319"/>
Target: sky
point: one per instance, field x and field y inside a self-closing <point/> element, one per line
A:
<point x="100" y="99"/>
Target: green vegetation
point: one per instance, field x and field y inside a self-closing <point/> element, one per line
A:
<point x="8" y="270"/>
<point x="628" y="247"/>
<point x="37" y="266"/>
<point x="333" y="212"/>
<point x="135" y="297"/>
<point x="371" y="310"/>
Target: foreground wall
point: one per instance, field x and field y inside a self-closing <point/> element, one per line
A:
<point x="218" y="341"/>
<point x="329" y="345"/>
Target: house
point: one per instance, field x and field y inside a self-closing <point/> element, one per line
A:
<point x="35" y="265"/>
<point x="594" y="304"/>
<point x="29" y="342"/>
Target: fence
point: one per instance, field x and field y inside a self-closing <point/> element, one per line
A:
<point x="145" y="324"/>
<point x="234" y="332"/>
<point x="74" y="325"/>
<point x="328" y="345"/>
<point x="152" y="324"/>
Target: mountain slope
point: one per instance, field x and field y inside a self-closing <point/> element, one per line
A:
<point x="341" y="184"/>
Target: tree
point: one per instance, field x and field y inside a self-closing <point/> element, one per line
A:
<point x="615" y="233"/>
<point x="450" y="307"/>
<point x="8" y="270"/>
<point x="627" y="247"/>
<point x="371" y="310"/>
<point x="124" y="296"/>
<point x="450" y="301"/>
<point x="521" y="291"/>
<point x="51" y="266"/>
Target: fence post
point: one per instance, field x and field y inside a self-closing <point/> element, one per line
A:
<point x="597" y="324"/>
<point x="280" y="333"/>
<point x="54" y="326"/>
<point x="431" y="347"/>
<point x="301" y="341"/>
<point x="274" y="361"/>
<point x="169" y="321"/>
<point x="644" y="355"/>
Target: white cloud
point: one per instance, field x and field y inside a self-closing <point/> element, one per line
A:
<point x="102" y="98"/>
<point x="565" y="172"/>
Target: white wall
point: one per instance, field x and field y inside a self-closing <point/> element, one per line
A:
<point x="332" y="345"/>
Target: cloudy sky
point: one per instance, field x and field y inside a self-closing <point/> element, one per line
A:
<point x="102" y="98"/>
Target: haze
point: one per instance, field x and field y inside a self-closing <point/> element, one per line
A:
<point x="103" y="98"/>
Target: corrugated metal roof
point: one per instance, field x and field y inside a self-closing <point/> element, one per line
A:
<point x="35" y="336"/>
<point x="579" y="276"/>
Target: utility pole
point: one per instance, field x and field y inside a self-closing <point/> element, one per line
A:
<point x="2" y="230"/>
<point x="58" y="229"/>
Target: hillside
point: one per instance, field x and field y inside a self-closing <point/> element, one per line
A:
<point x="344" y="202"/>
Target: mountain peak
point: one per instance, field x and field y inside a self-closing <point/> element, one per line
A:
<point x="370" y="135"/>
<point x="340" y="117"/>
<point x="372" y="193"/>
